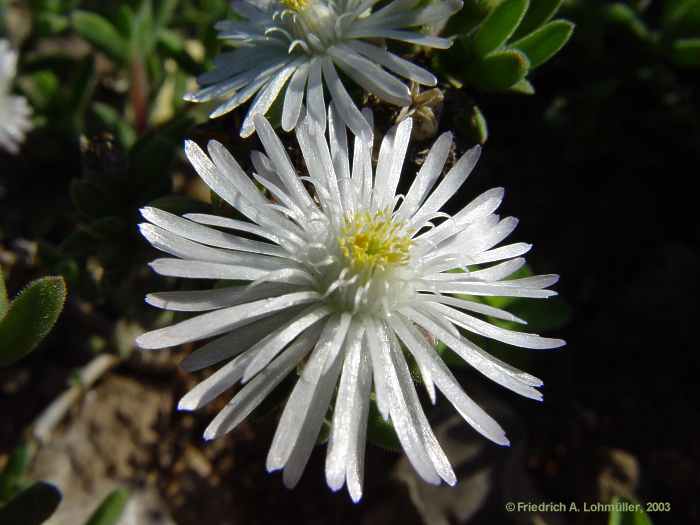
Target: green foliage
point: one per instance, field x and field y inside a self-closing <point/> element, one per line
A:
<point x="539" y="13"/>
<point x="621" y="517"/>
<point x="498" y="45"/>
<point x="499" y="70"/>
<point x="110" y="510"/>
<point x="101" y="33"/>
<point x="676" y="40"/>
<point x="498" y="26"/>
<point x="31" y="506"/>
<point x="30" y="317"/>
<point x="685" y="52"/>
<point x="4" y="300"/>
<point x="545" y="42"/>
<point x="12" y="476"/>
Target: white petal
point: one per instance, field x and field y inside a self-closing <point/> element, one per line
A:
<point x="521" y="339"/>
<point x="356" y="452"/>
<point x="283" y="166"/>
<point x="402" y="36"/>
<point x="452" y="182"/>
<point x="370" y="76"/>
<point x="252" y="394"/>
<point x="394" y="63"/>
<point x="448" y="385"/>
<point x="434" y="450"/>
<point x="198" y="269"/>
<point x="264" y="100"/>
<point x="246" y="93"/>
<point x="220" y="321"/>
<point x="346" y="415"/>
<point x="391" y="157"/>
<point x="209" y="236"/>
<point x="268" y="348"/>
<point x="346" y="107"/>
<point x="314" y="94"/>
<point x="311" y="427"/>
<point x="404" y="424"/>
<point x="473" y="306"/>
<point x="498" y="289"/>
<point x="491" y="367"/>
<point x="427" y="175"/>
<point x="294" y="97"/>
<point x="235" y="342"/>
<point x="202" y="300"/>
<point x="216" y="384"/>
<point x="222" y="186"/>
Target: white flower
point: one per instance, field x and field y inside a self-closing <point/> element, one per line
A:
<point x="339" y="279"/>
<point x="299" y="43"/>
<point x="15" y="113"/>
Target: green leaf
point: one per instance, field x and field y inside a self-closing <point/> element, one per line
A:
<point x="100" y="33"/>
<point x="499" y="70"/>
<point x="48" y="24"/>
<point x="144" y="35"/>
<point x="32" y="506"/>
<point x="619" y="516"/>
<point x="477" y="126"/>
<point x="110" y="510"/>
<point x="381" y="432"/>
<point x="499" y="26"/>
<point x="173" y="45"/>
<point x="522" y="87"/>
<point x="623" y="15"/>
<point x="12" y="474"/>
<point x="165" y="12"/>
<point x="675" y="11"/>
<point x="546" y="42"/>
<point x="685" y="52"/>
<point x="82" y="89"/>
<point x="30" y="318"/>
<point x="4" y="301"/>
<point x="539" y="13"/>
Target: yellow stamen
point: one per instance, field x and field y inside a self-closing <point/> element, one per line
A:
<point x="296" y="5"/>
<point x="373" y="241"/>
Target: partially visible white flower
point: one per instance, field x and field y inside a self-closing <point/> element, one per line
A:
<point x="299" y="43"/>
<point x="345" y="283"/>
<point x="15" y="113"/>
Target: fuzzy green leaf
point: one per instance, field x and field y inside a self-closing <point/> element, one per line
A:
<point x="477" y="126"/>
<point x="539" y="13"/>
<point x="4" y="301"/>
<point x="620" y="517"/>
<point x="546" y="42"/>
<point x="523" y="87"/>
<point x="12" y="474"/>
<point x="499" y="26"/>
<point x="685" y="52"/>
<point x="32" y="506"/>
<point x="100" y="33"/>
<point x="626" y="17"/>
<point x="499" y="70"/>
<point x="675" y="11"/>
<point x="30" y="317"/>
<point x="110" y="510"/>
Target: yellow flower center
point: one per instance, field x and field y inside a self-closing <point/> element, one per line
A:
<point x="295" y="5"/>
<point x="373" y="241"/>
